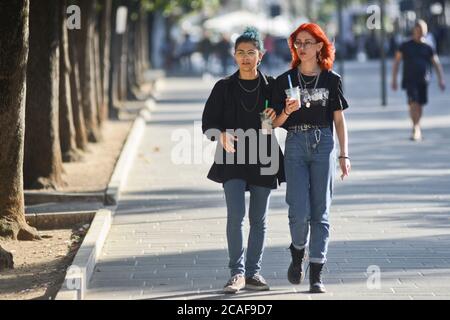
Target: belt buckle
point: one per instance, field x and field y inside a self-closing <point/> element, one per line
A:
<point x="304" y="127"/>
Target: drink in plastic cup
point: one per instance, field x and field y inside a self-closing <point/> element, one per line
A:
<point x="293" y="93"/>
<point x="266" y="123"/>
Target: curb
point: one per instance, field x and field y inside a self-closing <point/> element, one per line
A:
<point x="80" y="272"/>
<point x="37" y="197"/>
<point x="118" y="178"/>
<point x="127" y="155"/>
<point x="59" y="220"/>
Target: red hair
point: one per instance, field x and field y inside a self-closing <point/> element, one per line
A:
<point x="327" y="52"/>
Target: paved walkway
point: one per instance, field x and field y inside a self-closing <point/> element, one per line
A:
<point x="393" y="214"/>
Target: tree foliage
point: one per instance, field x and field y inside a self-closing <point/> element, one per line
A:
<point x="176" y="7"/>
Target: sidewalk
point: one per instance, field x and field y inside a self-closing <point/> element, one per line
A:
<point x="168" y="239"/>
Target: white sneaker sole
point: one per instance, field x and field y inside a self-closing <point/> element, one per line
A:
<point x="256" y="288"/>
<point x="230" y="291"/>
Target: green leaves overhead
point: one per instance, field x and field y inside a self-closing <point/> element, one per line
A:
<point x="174" y="7"/>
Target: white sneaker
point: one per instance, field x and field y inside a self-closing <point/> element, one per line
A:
<point x="236" y="283"/>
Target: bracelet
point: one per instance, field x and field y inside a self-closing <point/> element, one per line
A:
<point x="284" y="110"/>
<point x="342" y="157"/>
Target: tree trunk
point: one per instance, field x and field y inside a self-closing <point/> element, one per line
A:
<point x="138" y="50"/>
<point x="123" y="57"/>
<point x="131" y="53"/>
<point x="143" y="33"/>
<point x="6" y="260"/>
<point x="43" y="162"/>
<point x="75" y="89"/>
<point x="97" y="77"/>
<point x="87" y="69"/>
<point x="113" y="89"/>
<point x="122" y="85"/>
<point x="66" y="123"/>
<point x="105" y="40"/>
<point x="151" y="59"/>
<point x="13" y="62"/>
<point x="143" y="43"/>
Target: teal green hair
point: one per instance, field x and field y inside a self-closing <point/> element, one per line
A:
<point x="252" y="35"/>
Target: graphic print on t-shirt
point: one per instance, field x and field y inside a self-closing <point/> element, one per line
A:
<point x="314" y="97"/>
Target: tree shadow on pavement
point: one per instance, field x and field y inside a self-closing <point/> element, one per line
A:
<point x="200" y="274"/>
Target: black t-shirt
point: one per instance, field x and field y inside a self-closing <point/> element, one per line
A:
<point x="416" y="62"/>
<point x="249" y="103"/>
<point x="318" y="102"/>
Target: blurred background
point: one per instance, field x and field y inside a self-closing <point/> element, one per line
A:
<point x="197" y="36"/>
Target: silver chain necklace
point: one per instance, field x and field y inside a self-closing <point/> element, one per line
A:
<point x="252" y="90"/>
<point x="308" y="82"/>
<point x="307" y="96"/>
<point x="256" y="103"/>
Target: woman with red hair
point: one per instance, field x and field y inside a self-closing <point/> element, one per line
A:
<point x="310" y="152"/>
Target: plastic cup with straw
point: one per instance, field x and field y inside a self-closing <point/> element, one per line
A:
<point x="290" y="81"/>
<point x="266" y="122"/>
<point x="293" y="92"/>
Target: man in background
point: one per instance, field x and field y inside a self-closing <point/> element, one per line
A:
<point x="417" y="56"/>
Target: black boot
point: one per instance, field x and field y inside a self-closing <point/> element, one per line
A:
<point x="315" y="278"/>
<point x="295" y="273"/>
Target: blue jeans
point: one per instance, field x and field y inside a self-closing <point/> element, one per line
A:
<point x="259" y="202"/>
<point x="310" y="167"/>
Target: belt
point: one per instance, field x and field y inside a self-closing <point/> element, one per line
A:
<point x="305" y="127"/>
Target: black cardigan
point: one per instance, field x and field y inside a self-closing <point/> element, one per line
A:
<point x="220" y="113"/>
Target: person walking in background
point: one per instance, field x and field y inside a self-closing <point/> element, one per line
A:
<point x="223" y="48"/>
<point x="417" y="56"/>
<point x="237" y="103"/>
<point x="269" y="45"/>
<point x="186" y="49"/>
<point x="168" y="51"/>
<point x="205" y="47"/>
<point x="310" y="157"/>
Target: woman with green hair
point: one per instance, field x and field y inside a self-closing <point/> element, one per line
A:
<point x="237" y="103"/>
